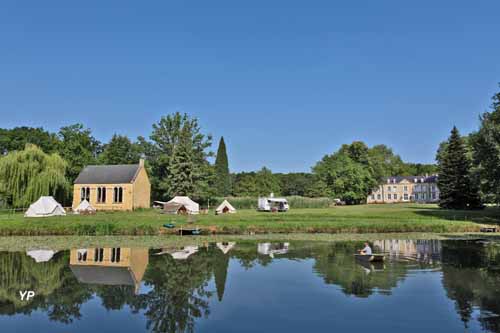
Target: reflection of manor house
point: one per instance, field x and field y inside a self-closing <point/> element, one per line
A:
<point x="109" y="266"/>
<point x="271" y="249"/>
<point x="428" y="251"/>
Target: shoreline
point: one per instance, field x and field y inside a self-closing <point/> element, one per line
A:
<point x="58" y="243"/>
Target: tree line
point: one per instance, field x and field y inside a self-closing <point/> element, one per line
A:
<point x="469" y="166"/>
<point x="177" y="153"/>
<point x="37" y="162"/>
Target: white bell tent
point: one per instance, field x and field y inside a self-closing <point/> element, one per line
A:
<point x="44" y="207"/>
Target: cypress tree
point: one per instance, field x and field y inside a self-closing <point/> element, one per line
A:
<point x="222" y="177"/>
<point x="457" y="188"/>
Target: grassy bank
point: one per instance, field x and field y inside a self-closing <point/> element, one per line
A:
<point x="295" y="201"/>
<point x="346" y="219"/>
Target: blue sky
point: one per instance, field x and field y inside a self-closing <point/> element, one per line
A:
<point x="284" y="82"/>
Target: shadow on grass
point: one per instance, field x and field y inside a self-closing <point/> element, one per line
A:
<point x="489" y="215"/>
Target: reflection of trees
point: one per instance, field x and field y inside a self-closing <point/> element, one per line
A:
<point x="115" y="297"/>
<point x="57" y="291"/>
<point x="220" y="265"/>
<point x="337" y="265"/>
<point x="177" y="297"/>
<point x="179" y="292"/>
<point x="471" y="277"/>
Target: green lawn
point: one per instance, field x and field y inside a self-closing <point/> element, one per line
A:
<point x="347" y="219"/>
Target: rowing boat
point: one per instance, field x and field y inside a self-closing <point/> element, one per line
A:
<point x="370" y="257"/>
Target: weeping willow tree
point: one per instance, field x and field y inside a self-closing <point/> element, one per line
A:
<point x="30" y="173"/>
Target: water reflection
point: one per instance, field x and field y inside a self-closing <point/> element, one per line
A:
<point x="110" y="266"/>
<point x="181" y="253"/>
<point x="173" y="289"/>
<point x="426" y="251"/>
<point x="471" y="277"/>
<point x="272" y="249"/>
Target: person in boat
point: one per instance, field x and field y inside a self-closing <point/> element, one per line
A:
<point x="367" y="249"/>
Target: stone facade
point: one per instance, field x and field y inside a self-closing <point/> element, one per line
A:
<point x="128" y="193"/>
<point x="421" y="189"/>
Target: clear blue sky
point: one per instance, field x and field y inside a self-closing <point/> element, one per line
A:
<point x="285" y="82"/>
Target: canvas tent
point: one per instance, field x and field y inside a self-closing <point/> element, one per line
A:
<point x="190" y="206"/>
<point x="225" y="207"/>
<point x="159" y="204"/>
<point x="174" y="208"/>
<point x="44" y="207"/>
<point x="41" y="255"/>
<point x="84" y="208"/>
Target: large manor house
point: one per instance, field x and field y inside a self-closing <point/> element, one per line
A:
<point x="421" y="189"/>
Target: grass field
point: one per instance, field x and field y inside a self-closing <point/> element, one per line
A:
<point x="347" y="219"/>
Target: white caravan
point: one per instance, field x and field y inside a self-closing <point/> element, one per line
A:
<point x="272" y="204"/>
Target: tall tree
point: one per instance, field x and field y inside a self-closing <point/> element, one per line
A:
<point x="344" y="178"/>
<point x="222" y="177"/>
<point x="166" y="137"/>
<point x="181" y="170"/>
<point x="457" y="190"/>
<point x="245" y="185"/>
<point x="418" y="169"/>
<point x="357" y="151"/>
<point x="120" y="150"/>
<point x="266" y="182"/>
<point x="486" y="155"/>
<point x="78" y="148"/>
<point x="295" y="183"/>
<point x="30" y="173"/>
<point x="384" y="162"/>
<point x="17" y="138"/>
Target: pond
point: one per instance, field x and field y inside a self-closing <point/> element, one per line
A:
<point x="424" y="285"/>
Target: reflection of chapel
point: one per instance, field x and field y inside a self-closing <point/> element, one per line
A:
<point x="110" y="266"/>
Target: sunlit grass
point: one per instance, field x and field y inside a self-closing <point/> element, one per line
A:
<point x="344" y="219"/>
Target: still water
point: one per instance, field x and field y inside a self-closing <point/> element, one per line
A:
<point x="424" y="286"/>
